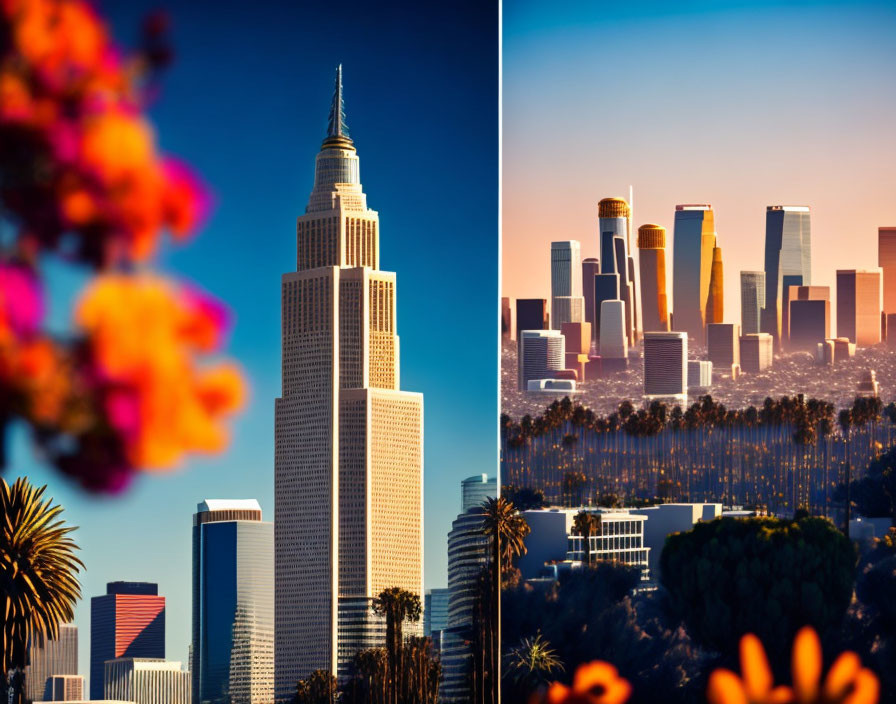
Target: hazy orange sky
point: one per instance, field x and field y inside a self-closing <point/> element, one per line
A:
<point x="741" y="108"/>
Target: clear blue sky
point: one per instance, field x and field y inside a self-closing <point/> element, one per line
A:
<point x="246" y="103"/>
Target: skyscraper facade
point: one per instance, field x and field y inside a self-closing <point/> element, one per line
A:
<point x="233" y="604"/>
<point x="567" y="302"/>
<point x="590" y="269"/>
<point x="756" y="352"/>
<point x="348" y="473"/>
<point x="476" y="490"/>
<point x="715" y="305"/>
<point x="531" y="314"/>
<point x="435" y="610"/>
<point x="606" y="288"/>
<point x="788" y="261"/>
<point x="614" y="218"/>
<point x="886" y="260"/>
<point x="694" y="241"/>
<point x="752" y="301"/>
<point x="858" y="306"/>
<point x="64" y="688"/>
<point x="540" y="353"/>
<point x="146" y="681"/>
<point x="809" y="317"/>
<point x="722" y="345"/>
<point x="128" y="621"/>
<point x="665" y="364"/>
<point x="51" y="657"/>
<point x="613" y="340"/>
<point x="652" y="265"/>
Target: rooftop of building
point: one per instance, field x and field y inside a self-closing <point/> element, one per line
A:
<point x="789" y="208"/>
<point x="228" y="505"/>
<point x="693" y="206"/>
<point x="138" y="588"/>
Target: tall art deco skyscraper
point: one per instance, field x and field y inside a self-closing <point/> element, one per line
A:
<point x="348" y="475"/>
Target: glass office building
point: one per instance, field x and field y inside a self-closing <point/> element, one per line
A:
<point x="233" y="603"/>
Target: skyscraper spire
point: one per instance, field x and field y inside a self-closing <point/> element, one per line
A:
<point x="336" y="126"/>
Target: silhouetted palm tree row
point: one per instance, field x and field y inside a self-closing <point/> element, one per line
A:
<point x="786" y="454"/>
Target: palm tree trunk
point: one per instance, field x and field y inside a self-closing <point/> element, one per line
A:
<point x="496" y="635"/>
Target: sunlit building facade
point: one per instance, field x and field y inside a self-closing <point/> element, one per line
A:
<point x="652" y="265"/>
<point x="567" y="302"/>
<point x="756" y="352"/>
<point x="694" y="241"/>
<point x="233" y="604"/>
<point x="348" y="475"/>
<point x="48" y="657"/>
<point x="886" y="260"/>
<point x="540" y="354"/>
<point x="715" y="304"/>
<point x="752" y="301"/>
<point x="613" y="340"/>
<point x="146" y="681"/>
<point x="788" y="261"/>
<point x="858" y="306"/>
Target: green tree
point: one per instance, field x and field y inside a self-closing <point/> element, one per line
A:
<point x="38" y="582"/>
<point x="318" y="688"/>
<point x="397" y="605"/>
<point x="765" y="576"/>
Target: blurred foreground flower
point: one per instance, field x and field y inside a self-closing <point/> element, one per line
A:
<point x="594" y="683"/>
<point x="81" y="176"/>
<point x="847" y="682"/>
<point x="79" y="166"/>
<point x="144" y="335"/>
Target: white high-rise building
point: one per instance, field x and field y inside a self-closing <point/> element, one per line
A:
<point x="147" y="681"/>
<point x="567" y="301"/>
<point x="540" y="352"/>
<point x="348" y="477"/>
<point x="752" y="301"/>
<point x="665" y="364"/>
<point x="613" y="339"/>
<point x="49" y="657"/>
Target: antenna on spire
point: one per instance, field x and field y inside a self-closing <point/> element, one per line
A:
<point x="336" y="126"/>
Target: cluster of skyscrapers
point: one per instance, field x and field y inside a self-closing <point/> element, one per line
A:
<point x="604" y="300"/>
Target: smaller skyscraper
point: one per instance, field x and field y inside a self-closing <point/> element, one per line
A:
<point x="613" y="340"/>
<point x="51" y="657"/>
<point x="233" y="603"/>
<point x="508" y="331"/>
<point x="756" y="352"/>
<point x="715" y="306"/>
<point x="652" y="264"/>
<point x="606" y="288"/>
<point x="577" y="338"/>
<point x="692" y="255"/>
<point x="590" y="269"/>
<point x="128" y="621"/>
<point x="752" y="301"/>
<point x="146" y="681"/>
<point x="788" y="261"/>
<point x="614" y="216"/>
<point x="64" y="688"/>
<point x="886" y="260"/>
<point x="435" y="610"/>
<point x="531" y="314"/>
<point x="809" y="317"/>
<point x="699" y="375"/>
<point x="540" y="354"/>
<point x="566" y="282"/>
<point x="858" y="306"/>
<point x="666" y="364"/>
<point x="722" y="344"/>
<point x="476" y="490"/>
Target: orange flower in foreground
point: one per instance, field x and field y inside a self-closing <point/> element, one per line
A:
<point x="142" y="332"/>
<point x="847" y="681"/>
<point x="594" y="683"/>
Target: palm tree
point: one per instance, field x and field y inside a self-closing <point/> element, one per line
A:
<point x="37" y="576"/>
<point x="318" y="688"/>
<point x="530" y="665"/>
<point x="507" y="531"/>
<point x="397" y="605"/>
<point x="369" y="682"/>
<point x="586" y="524"/>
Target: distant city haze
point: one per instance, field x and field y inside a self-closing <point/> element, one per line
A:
<point x="740" y="108"/>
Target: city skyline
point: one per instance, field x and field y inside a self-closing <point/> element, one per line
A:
<point x="725" y="150"/>
<point x="257" y="158"/>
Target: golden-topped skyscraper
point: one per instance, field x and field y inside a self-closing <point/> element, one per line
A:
<point x="652" y="264"/>
<point x="348" y="442"/>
